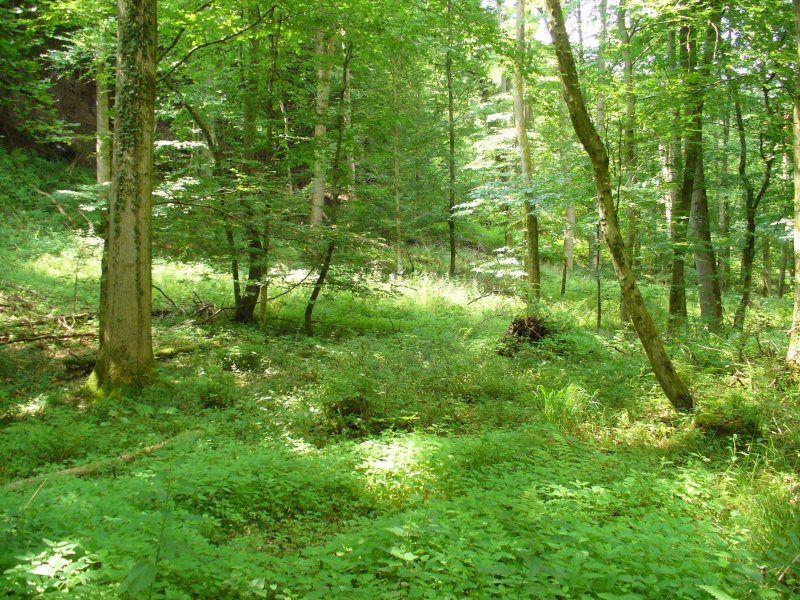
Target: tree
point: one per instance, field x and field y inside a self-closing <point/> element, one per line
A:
<point x="674" y="388"/>
<point x="126" y="349"/>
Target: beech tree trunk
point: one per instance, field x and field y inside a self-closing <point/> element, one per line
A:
<point x="247" y="301"/>
<point x="126" y="348"/>
<point x="705" y="261"/>
<point x="694" y="94"/>
<point x="324" y="48"/>
<point x="674" y="388"/>
<point x="520" y="121"/>
<point x="451" y="131"/>
<point x="793" y="354"/>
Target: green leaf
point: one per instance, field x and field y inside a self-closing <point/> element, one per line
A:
<point x="716" y="592"/>
<point x="140" y="578"/>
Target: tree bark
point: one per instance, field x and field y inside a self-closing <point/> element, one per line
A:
<point x="674" y="388"/>
<point x="520" y="121"/>
<point x="126" y="348"/>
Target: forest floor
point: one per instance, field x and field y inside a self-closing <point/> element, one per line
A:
<point x="395" y="454"/>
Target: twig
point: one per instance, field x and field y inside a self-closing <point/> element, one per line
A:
<point x="171" y="301"/>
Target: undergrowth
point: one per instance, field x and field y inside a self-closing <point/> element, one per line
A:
<point x="396" y="454"/>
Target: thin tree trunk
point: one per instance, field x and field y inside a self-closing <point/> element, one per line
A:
<point x="337" y="187"/>
<point x="629" y="143"/>
<point x="783" y="269"/>
<point x="569" y="246"/>
<point x="531" y="219"/>
<point x="674" y="388"/>
<point x="766" y="275"/>
<point x="723" y="205"/>
<point x="752" y="200"/>
<point x="126" y="350"/>
<point x="793" y="353"/>
<point x="503" y="83"/>
<point x="324" y="48"/>
<point x="601" y="130"/>
<point x="398" y="242"/>
<point x="451" y="130"/>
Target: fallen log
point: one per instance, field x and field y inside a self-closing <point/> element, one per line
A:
<point x="93" y="468"/>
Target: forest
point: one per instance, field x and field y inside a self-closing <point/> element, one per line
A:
<point x="400" y="299"/>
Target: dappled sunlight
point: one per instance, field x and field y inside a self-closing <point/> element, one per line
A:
<point x="397" y="468"/>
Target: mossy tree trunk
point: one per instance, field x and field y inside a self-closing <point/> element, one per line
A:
<point x="674" y="388"/>
<point x="126" y="348"/>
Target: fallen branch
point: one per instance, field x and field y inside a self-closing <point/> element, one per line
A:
<point x="60" y="319"/>
<point x="93" y="468"/>
<point x="36" y="338"/>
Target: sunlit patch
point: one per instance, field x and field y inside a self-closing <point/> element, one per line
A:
<point x="61" y="566"/>
<point x="399" y="467"/>
<point x="33" y="406"/>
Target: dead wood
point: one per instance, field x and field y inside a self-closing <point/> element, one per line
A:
<point x="93" y="468"/>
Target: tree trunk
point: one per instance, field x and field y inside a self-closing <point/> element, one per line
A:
<point x="705" y="261"/>
<point x="451" y="130"/>
<point x="126" y="349"/>
<point x="723" y="205"/>
<point x="336" y="190"/>
<point x="398" y="242"/>
<point x="629" y="144"/>
<point x="520" y="121"/>
<point x="103" y="145"/>
<point x="766" y="274"/>
<point x="674" y="388"/>
<point x="751" y="202"/>
<point x="324" y="48"/>
<point x="783" y="268"/>
<point x="569" y="247"/>
<point x="247" y="302"/>
<point x="793" y="354"/>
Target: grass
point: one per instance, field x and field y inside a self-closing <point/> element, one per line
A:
<point x="395" y="454"/>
